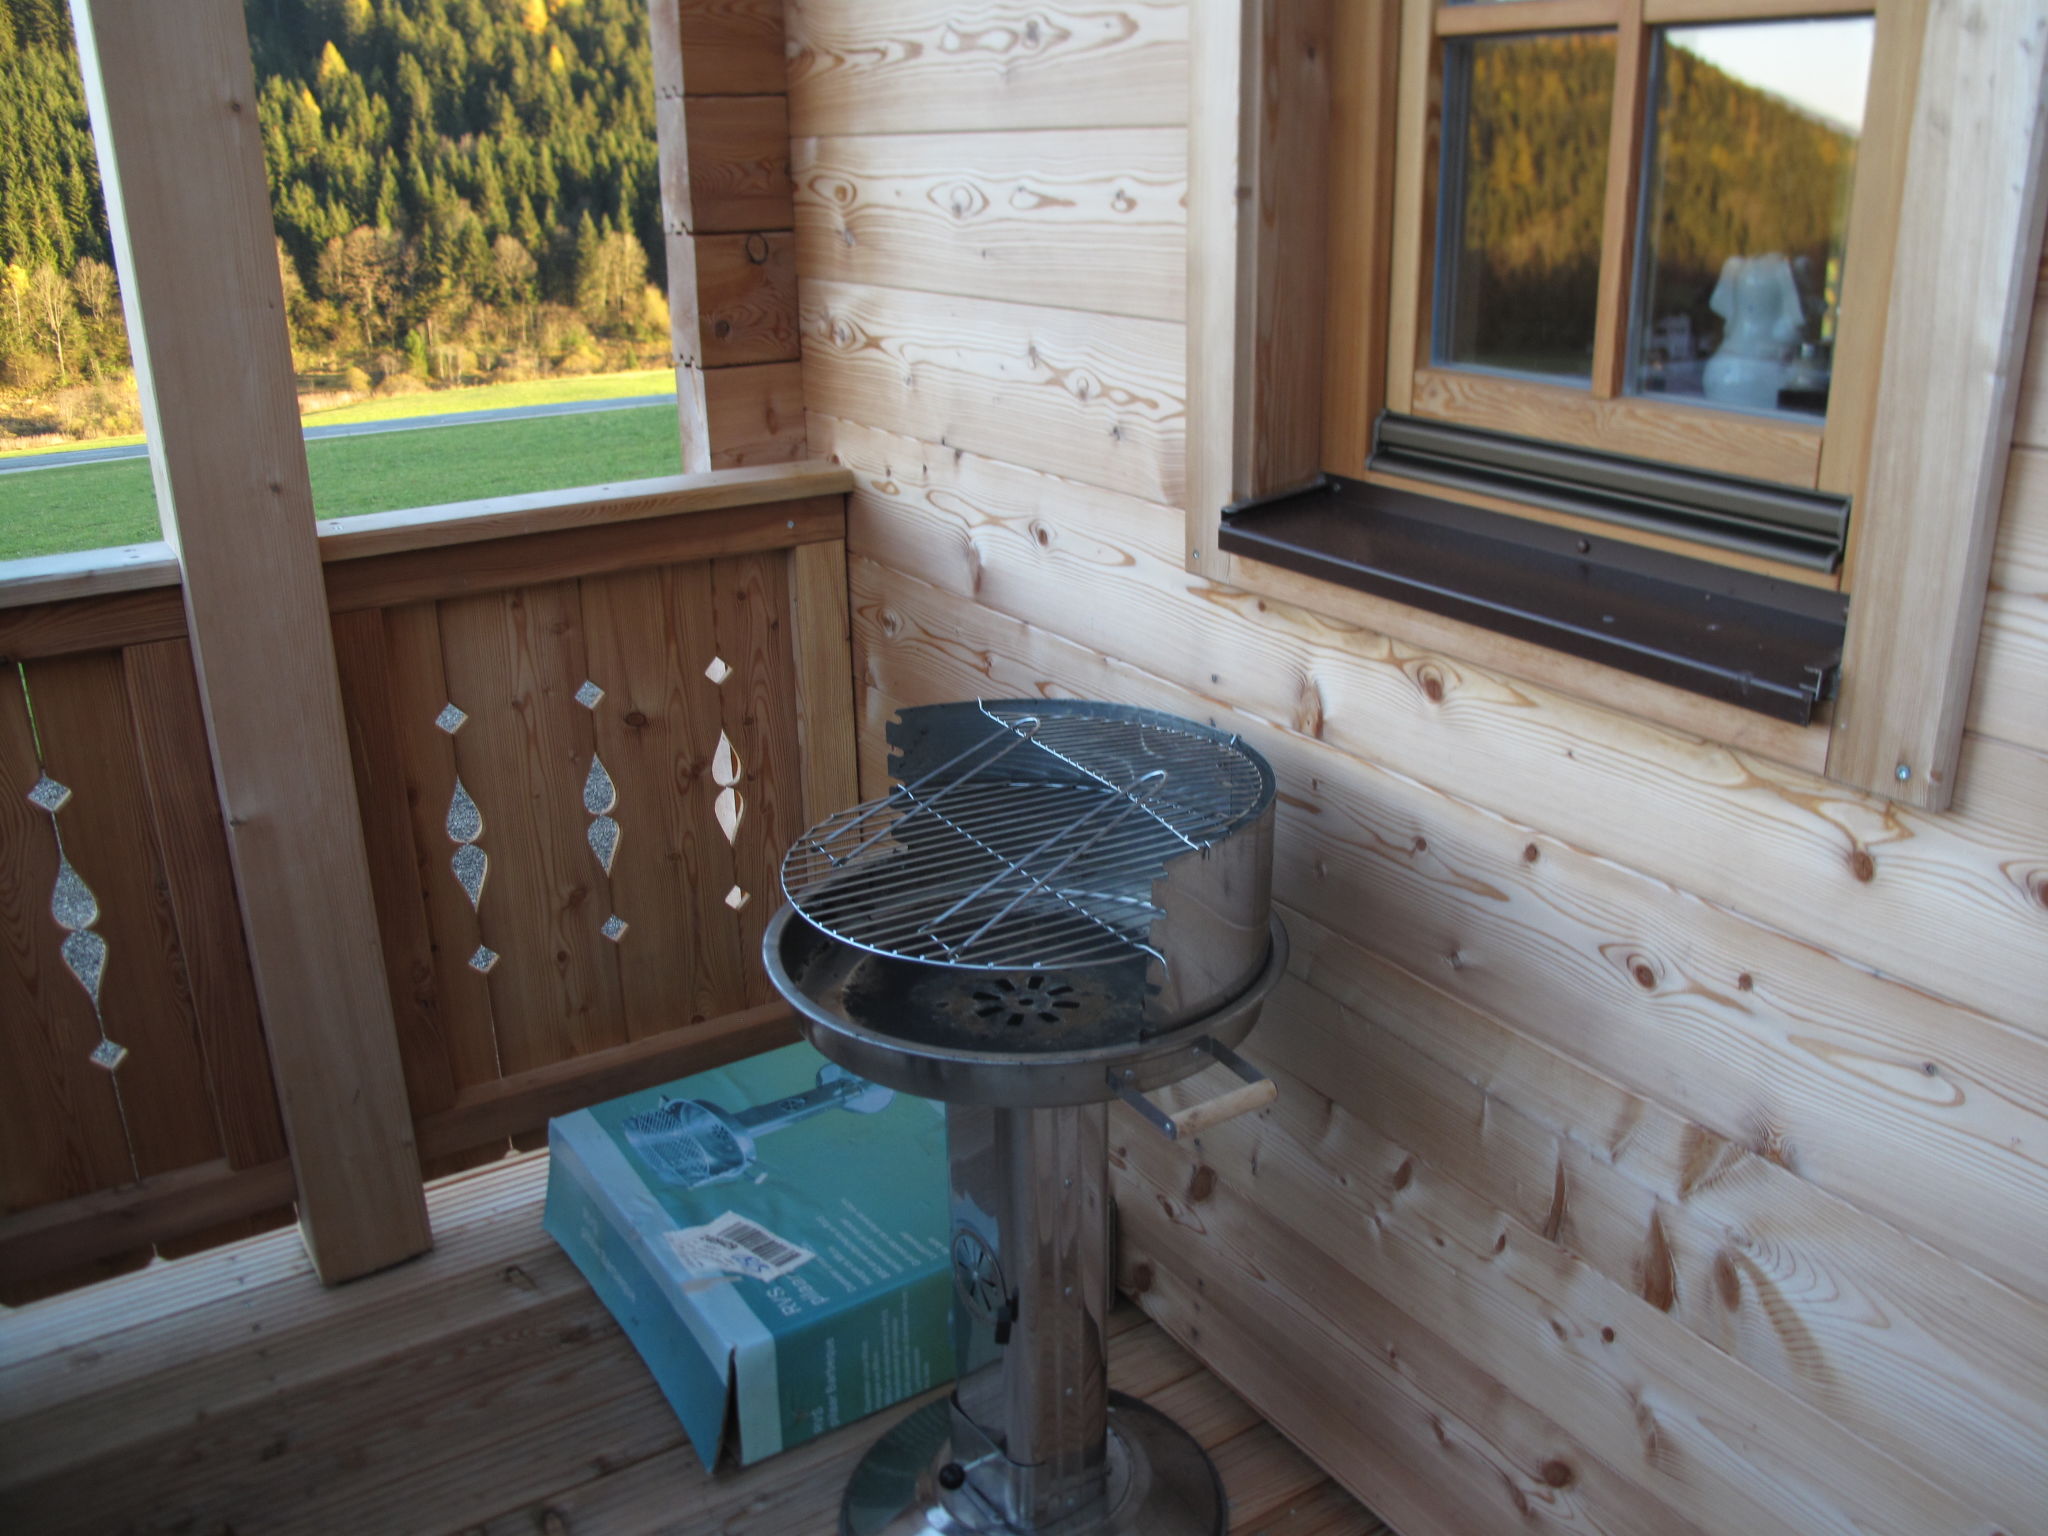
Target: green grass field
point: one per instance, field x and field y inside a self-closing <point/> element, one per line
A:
<point x="498" y="397"/>
<point x="438" y="402"/>
<point x="49" y="511"/>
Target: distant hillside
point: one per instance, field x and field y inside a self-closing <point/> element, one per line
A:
<point x="1744" y="173"/>
<point x="462" y="189"/>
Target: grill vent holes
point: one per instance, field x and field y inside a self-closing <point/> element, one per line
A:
<point x="1023" y="999"/>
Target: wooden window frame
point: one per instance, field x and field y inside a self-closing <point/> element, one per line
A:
<point x="1816" y="455"/>
<point x="1306" y="157"/>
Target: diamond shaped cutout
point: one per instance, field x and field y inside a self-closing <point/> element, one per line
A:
<point x="484" y="958"/>
<point x="589" y="694"/>
<point x="718" y="671"/>
<point x="109" y="1055"/>
<point x="614" y="928"/>
<point x="737" y="898"/>
<point x="451" y="719"/>
<point x="49" y="795"/>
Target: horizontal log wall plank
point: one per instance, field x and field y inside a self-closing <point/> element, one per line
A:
<point x="1661" y="1406"/>
<point x="1429" y="1439"/>
<point x="920" y="66"/>
<point x="757" y="415"/>
<point x="1877" y="883"/>
<point x="2010" y="697"/>
<point x="947" y="517"/>
<point x="734" y="47"/>
<point x="738" y="162"/>
<point x="1801" y="1064"/>
<point x="1094" y="397"/>
<point x="1921" y="1357"/>
<point x="746" y="298"/>
<point x="1092" y="220"/>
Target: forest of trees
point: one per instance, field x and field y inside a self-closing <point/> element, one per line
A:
<point x="463" y="189"/>
<point x="1738" y="171"/>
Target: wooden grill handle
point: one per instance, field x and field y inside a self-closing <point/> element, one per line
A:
<point x="1257" y="1092"/>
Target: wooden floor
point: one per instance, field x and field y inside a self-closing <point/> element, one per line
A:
<point x="482" y="1388"/>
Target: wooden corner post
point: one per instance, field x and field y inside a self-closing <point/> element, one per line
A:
<point x="1964" y="276"/>
<point x="679" y="231"/>
<point x="171" y="88"/>
<point x="1258" y="189"/>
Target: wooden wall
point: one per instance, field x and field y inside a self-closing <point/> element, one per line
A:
<point x="1663" y="1136"/>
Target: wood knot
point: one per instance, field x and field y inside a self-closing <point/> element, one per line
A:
<point x="1862" y="865"/>
<point x="1421" y="845"/>
<point x="1645" y="977"/>
<point x="1606" y="1335"/>
<point x="1745" y="982"/>
<point x="1558" y="1473"/>
<point x="1432" y="688"/>
<point x="1405" y="1174"/>
<point x="1728" y="1282"/>
<point x="1531" y="854"/>
<point x="1201" y="1183"/>
<point x="1141" y="1279"/>
<point x="722" y="329"/>
<point x="636" y="719"/>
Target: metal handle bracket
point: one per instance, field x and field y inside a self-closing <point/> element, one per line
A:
<point x="1258" y="1091"/>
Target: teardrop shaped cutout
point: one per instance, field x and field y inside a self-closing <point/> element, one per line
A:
<point x="729" y="808"/>
<point x="725" y="763"/>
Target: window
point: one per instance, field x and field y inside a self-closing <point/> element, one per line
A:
<point x="1639" y="219"/>
<point x="1503" y="241"/>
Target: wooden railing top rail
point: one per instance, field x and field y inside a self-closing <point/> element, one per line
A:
<point x="145" y="567"/>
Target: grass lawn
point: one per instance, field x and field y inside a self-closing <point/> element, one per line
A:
<point x="498" y="397"/>
<point x="437" y="402"/>
<point x="48" y="511"/>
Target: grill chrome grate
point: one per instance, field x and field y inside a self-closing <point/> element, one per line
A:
<point x="1034" y="844"/>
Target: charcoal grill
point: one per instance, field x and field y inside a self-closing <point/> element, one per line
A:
<point x="1061" y="903"/>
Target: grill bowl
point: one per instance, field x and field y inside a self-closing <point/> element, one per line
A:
<point x="922" y="1030"/>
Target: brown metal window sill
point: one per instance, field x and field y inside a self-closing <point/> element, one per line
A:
<point x="1766" y="645"/>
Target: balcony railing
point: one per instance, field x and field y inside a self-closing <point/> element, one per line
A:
<point x="583" y="727"/>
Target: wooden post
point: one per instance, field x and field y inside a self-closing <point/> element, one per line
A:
<point x="1963" y="284"/>
<point x="678" y="228"/>
<point x="171" y="89"/>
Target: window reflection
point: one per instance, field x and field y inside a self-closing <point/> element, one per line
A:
<point x="1746" y="201"/>
<point x="1526" y="130"/>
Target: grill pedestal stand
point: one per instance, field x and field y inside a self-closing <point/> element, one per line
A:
<point x="1035" y="1441"/>
<point x="1060" y="904"/>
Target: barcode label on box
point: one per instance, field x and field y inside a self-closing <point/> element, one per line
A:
<point x="733" y="1245"/>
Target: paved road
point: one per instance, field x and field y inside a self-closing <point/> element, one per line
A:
<point x="64" y="460"/>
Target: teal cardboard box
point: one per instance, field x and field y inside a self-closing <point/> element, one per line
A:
<point x="772" y="1238"/>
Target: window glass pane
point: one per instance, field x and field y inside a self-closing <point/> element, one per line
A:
<point x="469" y="233"/>
<point x="1524" y="185"/>
<point x="1746" y="199"/>
<point x="74" y="473"/>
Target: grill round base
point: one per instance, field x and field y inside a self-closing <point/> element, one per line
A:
<point x="1161" y="1483"/>
<point x="949" y="1034"/>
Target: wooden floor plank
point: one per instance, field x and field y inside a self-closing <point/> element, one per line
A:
<point x="481" y="1388"/>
